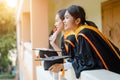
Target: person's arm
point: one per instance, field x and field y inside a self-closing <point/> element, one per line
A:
<point x="58" y="67"/>
<point x="53" y="42"/>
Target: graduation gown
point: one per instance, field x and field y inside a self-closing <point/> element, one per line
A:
<point x="94" y="51"/>
<point x="68" y="44"/>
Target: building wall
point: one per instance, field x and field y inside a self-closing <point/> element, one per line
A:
<point x="92" y="9"/>
<point x="39" y="29"/>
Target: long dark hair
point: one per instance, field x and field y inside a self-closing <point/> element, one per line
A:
<point x="78" y="12"/>
<point x="61" y="13"/>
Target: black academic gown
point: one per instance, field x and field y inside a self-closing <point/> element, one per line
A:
<point x="68" y="45"/>
<point x="94" y="51"/>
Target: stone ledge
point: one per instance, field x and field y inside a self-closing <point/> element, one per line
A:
<point x="100" y="74"/>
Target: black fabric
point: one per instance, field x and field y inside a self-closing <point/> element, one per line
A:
<point x="71" y="49"/>
<point x="49" y="53"/>
<point x="86" y="57"/>
<point x="48" y="64"/>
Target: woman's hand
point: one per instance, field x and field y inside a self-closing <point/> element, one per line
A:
<point x="53" y="42"/>
<point x="56" y="68"/>
<point x="53" y="37"/>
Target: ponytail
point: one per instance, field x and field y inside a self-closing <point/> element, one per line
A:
<point x="90" y="23"/>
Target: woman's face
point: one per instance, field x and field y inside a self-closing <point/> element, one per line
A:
<point x="69" y="22"/>
<point x="59" y="23"/>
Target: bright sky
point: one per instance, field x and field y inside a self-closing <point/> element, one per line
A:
<point x="11" y="3"/>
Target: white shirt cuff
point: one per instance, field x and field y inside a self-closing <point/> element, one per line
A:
<point x="67" y="65"/>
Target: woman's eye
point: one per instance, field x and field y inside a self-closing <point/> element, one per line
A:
<point x="56" y="20"/>
<point x="66" y="17"/>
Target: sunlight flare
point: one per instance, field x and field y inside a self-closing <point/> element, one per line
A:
<point x="11" y="3"/>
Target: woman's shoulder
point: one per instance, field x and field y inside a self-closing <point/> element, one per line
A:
<point x="86" y="29"/>
<point x="69" y="33"/>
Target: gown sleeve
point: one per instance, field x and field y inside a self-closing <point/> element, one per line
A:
<point x="83" y="58"/>
<point x="67" y="48"/>
<point x="62" y="46"/>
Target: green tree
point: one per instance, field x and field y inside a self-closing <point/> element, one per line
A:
<point x="7" y="34"/>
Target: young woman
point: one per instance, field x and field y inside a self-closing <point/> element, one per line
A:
<point x="67" y="40"/>
<point x="94" y="50"/>
<point x="59" y="27"/>
<point x="55" y="36"/>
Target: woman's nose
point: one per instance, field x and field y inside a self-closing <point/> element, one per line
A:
<point x="54" y="24"/>
<point x="64" y="21"/>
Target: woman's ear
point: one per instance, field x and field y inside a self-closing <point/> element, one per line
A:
<point x="77" y="21"/>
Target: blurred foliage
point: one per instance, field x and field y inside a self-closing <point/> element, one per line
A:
<point x="7" y="76"/>
<point x="7" y="35"/>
